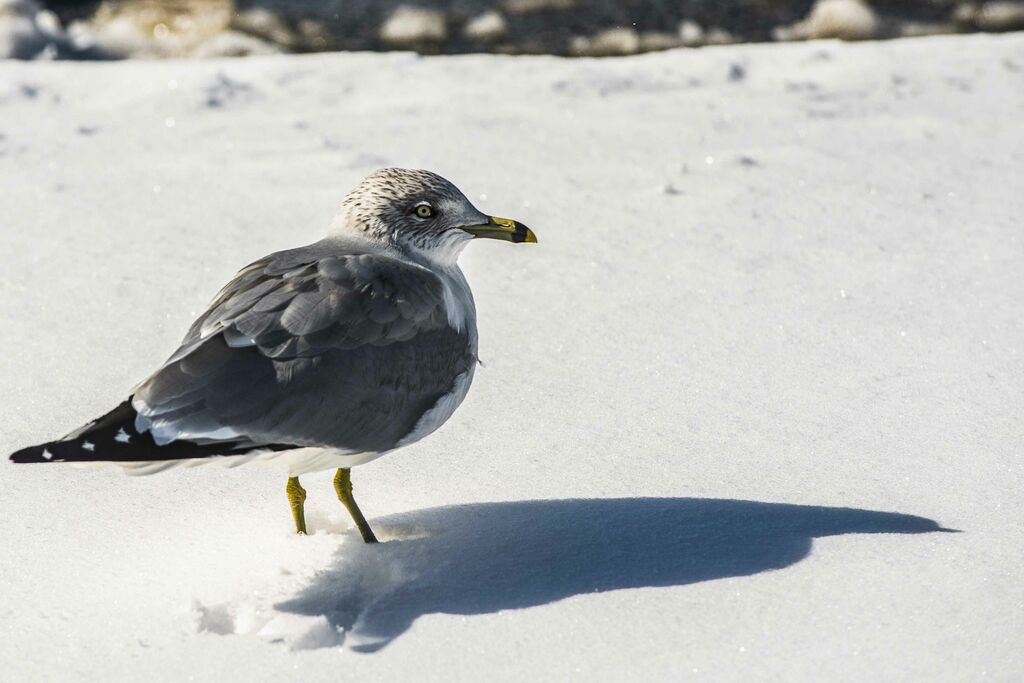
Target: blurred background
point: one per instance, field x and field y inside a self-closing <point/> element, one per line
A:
<point x="125" y="29"/>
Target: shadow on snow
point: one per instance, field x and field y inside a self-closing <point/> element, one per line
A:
<point x="483" y="558"/>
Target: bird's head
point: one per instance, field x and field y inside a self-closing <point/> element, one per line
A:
<point x="421" y="211"/>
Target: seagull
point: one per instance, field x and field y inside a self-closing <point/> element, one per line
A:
<point x="325" y="356"/>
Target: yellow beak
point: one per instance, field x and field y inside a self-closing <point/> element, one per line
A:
<point x="502" y="229"/>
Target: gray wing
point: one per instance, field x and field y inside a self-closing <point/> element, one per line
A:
<point x="308" y="349"/>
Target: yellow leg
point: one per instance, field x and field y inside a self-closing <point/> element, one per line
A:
<point x="343" y="486"/>
<point x="296" y="499"/>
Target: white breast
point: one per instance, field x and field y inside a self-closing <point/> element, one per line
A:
<point x="461" y="316"/>
<point x="442" y="410"/>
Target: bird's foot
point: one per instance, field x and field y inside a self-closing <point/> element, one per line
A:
<point x="297" y="500"/>
<point x="343" y="487"/>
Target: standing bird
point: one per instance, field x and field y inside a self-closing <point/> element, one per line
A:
<point x="328" y="355"/>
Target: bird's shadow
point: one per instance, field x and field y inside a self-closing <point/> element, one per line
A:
<point x="483" y="558"/>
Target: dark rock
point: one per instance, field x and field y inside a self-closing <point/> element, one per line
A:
<point x="129" y="28"/>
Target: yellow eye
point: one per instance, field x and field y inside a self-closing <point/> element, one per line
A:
<point x="424" y="211"/>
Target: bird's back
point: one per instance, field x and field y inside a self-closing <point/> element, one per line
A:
<point x="322" y="346"/>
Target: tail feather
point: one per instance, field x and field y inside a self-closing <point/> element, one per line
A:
<point x="114" y="438"/>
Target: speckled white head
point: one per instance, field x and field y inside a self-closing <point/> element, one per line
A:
<point x="421" y="212"/>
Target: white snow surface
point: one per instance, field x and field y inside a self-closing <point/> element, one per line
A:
<point x="769" y="343"/>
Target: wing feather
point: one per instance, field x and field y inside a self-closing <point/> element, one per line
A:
<point x="310" y="347"/>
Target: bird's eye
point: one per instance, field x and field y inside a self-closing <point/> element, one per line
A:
<point x="424" y="211"/>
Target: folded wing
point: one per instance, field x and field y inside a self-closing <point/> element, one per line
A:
<point x="305" y="348"/>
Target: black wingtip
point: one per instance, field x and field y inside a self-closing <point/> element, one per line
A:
<point x="32" y="454"/>
<point x="80" y="445"/>
<point x="113" y="438"/>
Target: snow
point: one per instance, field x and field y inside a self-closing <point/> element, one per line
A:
<point x="770" y="344"/>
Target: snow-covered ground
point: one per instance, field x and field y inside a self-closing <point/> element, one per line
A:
<point x="770" y="343"/>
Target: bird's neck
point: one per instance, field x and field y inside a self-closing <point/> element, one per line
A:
<point x="441" y="254"/>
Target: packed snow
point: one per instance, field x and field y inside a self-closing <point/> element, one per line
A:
<point x="766" y="358"/>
